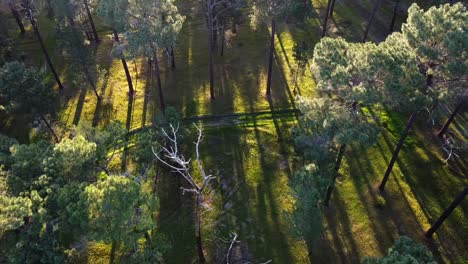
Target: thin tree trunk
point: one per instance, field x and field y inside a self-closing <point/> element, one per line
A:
<point x="234" y="26"/>
<point x="50" y="128"/>
<point x="91" y="82"/>
<point x="214" y="35"/>
<point x="409" y="125"/>
<point x="222" y="41"/>
<point x="270" y="58"/>
<point x="173" y="63"/>
<point x="447" y="213"/>
<point x="16" y="14"/>
<point x="210" y="50"/>
<point x="112" y="253"/>
<point x="335" y="174"/>
<point x="44" y="50"/>
<point x="124" y="64"/>
<point x="325" y="21"/>
<point x="371" y="18"/>
<point x="91" y="21"/>
<point x="395" y="11"/>
<point x="332" y="8"/>
<point x="450" y="120"/>
<point x="201" y="255"/>
<point x="158" y="80"/>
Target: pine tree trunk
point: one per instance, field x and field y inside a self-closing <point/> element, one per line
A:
<point x="50" y="128"/>
<point x="409" y="125"/>
<point x="270" y="58"/>
<point x="198" y="238"/>
<point x="223" y="38"/>
<point x="210" y="50"/>
<point x="173" y="63"/>
<point x="234" y="27"/>
<point x="91" y="82"/>
<point x="214" y="35"/>
<point x="395" y="11"/>
<point x="17" y="17"/>
<point x="325" y="21"/>
<point x="112" y="253"/>
<point x="335" y="174"/>
<point x="124" y="64"/>
<point x="371" y="18"/>
<point x="158" y="80"/>
<point x="91" y="21"/>
<point x="450" y="120"/>
<point x="44" y="50"/>
<point x="332" y="8"/>
<point x="447" y="213"/>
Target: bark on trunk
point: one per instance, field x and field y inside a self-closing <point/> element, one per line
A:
<point x="335" y="174"/>
<point x="50" y="128"/>
<point x="198" y="238"/>
<point x="450" y="120"/>
<point x="371" y="18"/>
<point x="91" y="82"/>
<point x="222" y="42"/>
<point x="409" y="125"/>
<point x="112" y="253"/>
<point x="325" y="21"/>
<point x="173" y="64"/>
<point x="210" y="50"/>
<point x="270" y="58"/>
<point x="91" y="21"/>
<point x="395" y="11"/>
<point x="332" y="8"/>
<point x="124" y="64"/>
<point x="44" y="50"/>
<point x="447" y="213"/>
<point x="16" y="14"/>
<point x="158" y="80"/>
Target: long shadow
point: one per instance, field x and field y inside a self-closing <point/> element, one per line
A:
<point x="79" y="106"/>
<point x="128" y="124"/>
<point x="100" y="104"/>
<point x="434" y="183"/>
<point x="148" y="91"/>
<point x="339" y="226"/>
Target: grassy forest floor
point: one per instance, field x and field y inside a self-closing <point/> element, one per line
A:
<point x="253" y="154"/>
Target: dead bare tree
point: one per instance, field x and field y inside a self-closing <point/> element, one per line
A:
<point x="180" y="165"/>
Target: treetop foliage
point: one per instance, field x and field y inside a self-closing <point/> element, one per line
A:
<point x="24" y="89"/>
<point x="404" y="251"/>
<point x="404" y="71"/>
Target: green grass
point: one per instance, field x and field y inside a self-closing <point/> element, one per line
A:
<point x="256" y="158"/>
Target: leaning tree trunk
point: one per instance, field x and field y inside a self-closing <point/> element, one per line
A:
<point x="158" y="80"/>
<point x="330" y="187"/>
<point x="371" y="18"/>
<point x="223" y="39"/>
<point x="91" y="21"/>
<point x="210" y="50"/>
<point x="50" y="128"/>
<point x="113" y="250"/>
<point x="325" y="21"/>
<point x="201" y="255"/>
<point x="270" y="57"/>
<point x="332" y="7"/>
<point x="450" y="120"/>
<point x="91" y="82"/>
<point x="447" y="213"/>
<point x="395" y="11"/>
<point x="124" y="64"/>
<point x="409" y="125"/>
<point x="32" y="19"/>
<point x="173" y="64"/>
<point x="17" y="17"/>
